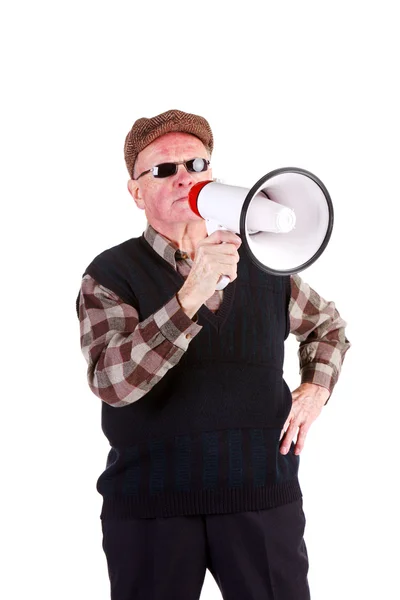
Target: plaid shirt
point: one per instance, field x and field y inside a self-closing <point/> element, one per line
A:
<point x="126" y="358"/>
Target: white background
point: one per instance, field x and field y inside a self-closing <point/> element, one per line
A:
<point x="307" y="84"/>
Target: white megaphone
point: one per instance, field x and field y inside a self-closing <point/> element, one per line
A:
<point x="285" y="220"/>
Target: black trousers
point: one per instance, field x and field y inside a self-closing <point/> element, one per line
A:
<point x="257" y="555"/>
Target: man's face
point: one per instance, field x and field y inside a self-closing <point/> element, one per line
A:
<point x="166" y="200"/>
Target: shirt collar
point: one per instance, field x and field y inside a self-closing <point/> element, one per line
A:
<point x="164" y="247"/>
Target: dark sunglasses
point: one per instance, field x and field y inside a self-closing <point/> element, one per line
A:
<point x="195" y="165"/>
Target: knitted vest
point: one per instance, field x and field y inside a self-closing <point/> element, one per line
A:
<point x="205" y="438"/>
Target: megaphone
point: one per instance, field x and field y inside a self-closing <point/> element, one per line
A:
<point x="285" y="220"/>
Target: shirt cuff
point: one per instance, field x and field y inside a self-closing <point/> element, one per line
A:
<point x="175" y="325"/>
<point x="319" y="374"/>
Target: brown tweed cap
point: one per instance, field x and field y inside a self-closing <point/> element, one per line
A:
<point x="144" y="131"/>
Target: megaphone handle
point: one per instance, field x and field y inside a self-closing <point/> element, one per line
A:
<point x="223" y="281"/>
<point x="211" y="227"/>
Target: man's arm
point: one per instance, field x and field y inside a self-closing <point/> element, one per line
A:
<point x="125" y="357"/>
<point x="320" y="330"/>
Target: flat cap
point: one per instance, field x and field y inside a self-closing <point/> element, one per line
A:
<point x="144" y="131"/>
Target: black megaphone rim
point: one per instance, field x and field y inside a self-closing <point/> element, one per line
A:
<point x="246" y="204"/>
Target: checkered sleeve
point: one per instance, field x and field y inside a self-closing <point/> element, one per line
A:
<point x="320" y="330"/>
<point x="125" y="357"/>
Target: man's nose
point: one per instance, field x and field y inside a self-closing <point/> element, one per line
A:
<point x="183" y="177"/>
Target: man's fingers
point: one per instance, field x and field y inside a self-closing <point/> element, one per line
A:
<point x="289" y="435"/>
<point x="301" y="438"/>
<point x="286" y="425"/>
<point x="283" y="431"/>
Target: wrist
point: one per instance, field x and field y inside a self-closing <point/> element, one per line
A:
<point x="189" y="303"/>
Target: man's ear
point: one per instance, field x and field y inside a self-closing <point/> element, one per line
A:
<point x="133" y="189"/>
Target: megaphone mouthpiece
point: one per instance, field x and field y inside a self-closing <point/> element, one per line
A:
<point x="194" y="194"/>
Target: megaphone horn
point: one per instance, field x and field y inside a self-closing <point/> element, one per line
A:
<point x="285" y="220"/>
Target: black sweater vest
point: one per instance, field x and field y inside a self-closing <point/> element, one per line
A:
<point x="205" y="438"/>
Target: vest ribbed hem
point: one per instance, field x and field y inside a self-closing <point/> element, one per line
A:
<point x="201" y="502"/>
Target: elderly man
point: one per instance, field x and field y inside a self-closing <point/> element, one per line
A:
<point x="203" y="467"/>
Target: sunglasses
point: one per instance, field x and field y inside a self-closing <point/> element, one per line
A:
<point x="195" y="165"/>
